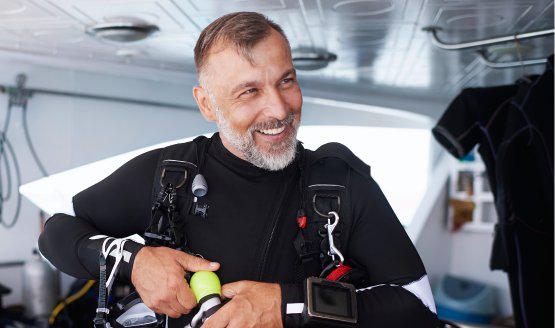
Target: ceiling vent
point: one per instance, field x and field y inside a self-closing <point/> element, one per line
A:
<point x="310" y="60"/>
<point x="122" y="31"/>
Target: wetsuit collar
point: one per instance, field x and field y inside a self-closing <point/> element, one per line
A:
<point x="242" y="167"/>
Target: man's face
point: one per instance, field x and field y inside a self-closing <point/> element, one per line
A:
<point x="257" y="106"/>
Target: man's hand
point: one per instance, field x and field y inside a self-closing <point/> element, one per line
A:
<point x="252" y="304"/>
<point x="159" y="276"/>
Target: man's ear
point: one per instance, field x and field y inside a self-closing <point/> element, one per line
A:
<point x="203" y="102"/>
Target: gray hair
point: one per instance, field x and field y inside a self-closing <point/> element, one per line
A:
<point x="243" y="30"/>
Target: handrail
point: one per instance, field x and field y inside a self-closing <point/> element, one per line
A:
<point x="491" y="64"/>
<point x="479" y="43"/>
<point x="19" y="89"/>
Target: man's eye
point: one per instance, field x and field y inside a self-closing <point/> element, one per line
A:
<point x="248" y="92"/>
<point x="286" y="81"/>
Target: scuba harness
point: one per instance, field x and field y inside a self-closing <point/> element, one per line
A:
<point x="165" y="229"/>
<point x="320" y="240"/>
<point x="324" y="225"/>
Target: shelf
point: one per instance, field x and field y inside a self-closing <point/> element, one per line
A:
<point x="469" y="183"/>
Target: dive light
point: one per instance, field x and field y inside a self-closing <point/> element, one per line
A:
<point x="207" y="290"/>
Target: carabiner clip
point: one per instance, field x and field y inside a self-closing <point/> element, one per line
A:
<point x="331" y="227"/>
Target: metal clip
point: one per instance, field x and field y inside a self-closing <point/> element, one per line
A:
<point x="331" y="227"/>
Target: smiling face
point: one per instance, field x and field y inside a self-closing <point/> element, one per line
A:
<point x="256" y="102"/>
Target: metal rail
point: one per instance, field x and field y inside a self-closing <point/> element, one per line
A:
<point x="30" y="91"/>
<point x="432" y="30"/>
<point x="483" y="58"/>
<point x="11" y="264"/>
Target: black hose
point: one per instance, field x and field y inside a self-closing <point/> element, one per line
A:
<point x="7" y="151"/>
<point x="30" y="143"/>
<point x="18" y="179"/>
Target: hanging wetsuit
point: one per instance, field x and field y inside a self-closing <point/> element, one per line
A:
<point x="249" y="228"/>
<point x="514" y="127"/>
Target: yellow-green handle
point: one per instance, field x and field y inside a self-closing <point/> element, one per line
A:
<point x="204" y="283"/>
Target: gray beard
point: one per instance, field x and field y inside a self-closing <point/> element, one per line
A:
<point x="279" y="155"/>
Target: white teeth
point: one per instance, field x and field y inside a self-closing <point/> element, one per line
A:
<point x="273" y="131"/>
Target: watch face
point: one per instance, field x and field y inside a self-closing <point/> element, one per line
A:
<point x="332" y="300"/>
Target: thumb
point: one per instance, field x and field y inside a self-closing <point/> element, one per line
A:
<point x="233" y="288"/>
<point x="194" y="263"/>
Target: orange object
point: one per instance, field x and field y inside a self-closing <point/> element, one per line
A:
<point x="462" y="212"/>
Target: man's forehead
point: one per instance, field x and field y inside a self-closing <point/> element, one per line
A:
<point x="226" y="45"/>
<point x="244" y="52"/>
<point x="225" y="57"/>
<point x="216" y="63"/>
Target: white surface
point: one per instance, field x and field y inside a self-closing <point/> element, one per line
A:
<point x="470" y="258"/>
<point x="53" y="194"/>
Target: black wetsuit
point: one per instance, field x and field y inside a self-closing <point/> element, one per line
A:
<point x="249" y="229"/>
<point x="513" y="126"/>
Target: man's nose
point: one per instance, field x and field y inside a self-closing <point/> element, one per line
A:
<point x="276" y="106"/>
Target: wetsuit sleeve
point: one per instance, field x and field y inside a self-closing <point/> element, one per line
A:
<point x="398" y="293"/>
<point x="458" y="129"/>
<point x="118" y="206"/>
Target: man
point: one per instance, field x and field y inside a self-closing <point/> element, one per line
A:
<point x="248" y="87"/>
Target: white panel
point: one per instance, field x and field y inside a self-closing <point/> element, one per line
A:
<point x="360" y="12"/>
<point x="212" y="6"/>
<point x="15" y="13"/>
<point x="12" y="7"/>
<point x="155" y="12"/>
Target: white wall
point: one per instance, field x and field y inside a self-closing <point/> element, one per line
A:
<point x="435" y="244"/>
<point x="470" y="258"/>
<point x="463" y="254"/>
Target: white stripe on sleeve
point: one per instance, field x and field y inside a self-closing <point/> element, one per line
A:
<point x="420" y="288"/>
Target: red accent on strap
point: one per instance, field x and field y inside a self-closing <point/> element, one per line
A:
<point x="301" y="221"/>
<point x="338" y="272"/>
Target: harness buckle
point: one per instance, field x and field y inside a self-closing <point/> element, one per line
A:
<point x="329" y="215"/>
<point x="180" y="183"/>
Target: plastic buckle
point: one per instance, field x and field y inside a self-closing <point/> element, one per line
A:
<point x="174" y="167"/>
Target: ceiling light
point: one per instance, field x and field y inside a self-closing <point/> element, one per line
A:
<point x="310" y="60"/>
<point x="122" y="32"/>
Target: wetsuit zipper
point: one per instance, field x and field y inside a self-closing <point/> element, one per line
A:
<point x="275" y="221"/>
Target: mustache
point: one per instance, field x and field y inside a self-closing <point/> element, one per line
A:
<point x="274" y="124"/>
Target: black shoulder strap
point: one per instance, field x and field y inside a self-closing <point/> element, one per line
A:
<point x="339" y="151"/>
<point x="177" y="166"/>
<point x="325" y="188"/>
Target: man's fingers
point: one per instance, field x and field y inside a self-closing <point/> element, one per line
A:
<point x="162" y="308"/>
<point x="158" y="276"/>
<point x="252" y="304"/>
<point x="194" y="263"/>
<point x="176" y="306"/>
<point x="170" y="313"/>
<point x="220" y="319"/>
<point x="234" y="288"/>
<point x="186" y="298"/>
